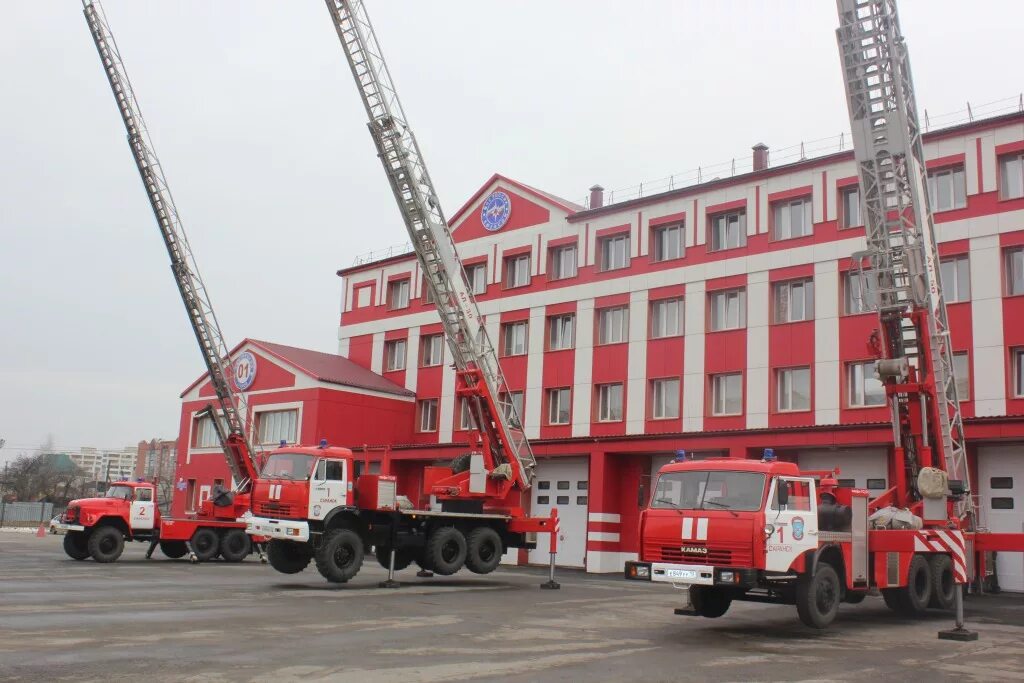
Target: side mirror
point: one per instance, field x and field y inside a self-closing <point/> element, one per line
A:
<point x="782" y="493"/>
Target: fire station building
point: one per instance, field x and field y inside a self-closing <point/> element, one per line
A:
<point x="720" y="318"/>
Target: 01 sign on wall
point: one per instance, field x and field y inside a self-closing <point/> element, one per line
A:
<point x="244" y="370"/>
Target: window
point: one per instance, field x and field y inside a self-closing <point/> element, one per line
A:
<point x="864" y="388"/>
<point x="1002" y="503"/>
<point x="428" y="415"/>
<point x="728" y="309"/>
<point x="665" y="399"/>
<point x="276" y="426"/>
<point x="517" y="271"/>
<point x="876" y="484"/>
<point x="955" y="274"/>
<point x="144" y="495"/>
<point x="431" y="350"/>
<point x="190" y="496"/>
<point x="394" y="355"/>
<point x="563" y="486"/>
<point x="727" y="394"/>
<point x="581" y="500"/>
<point x="206" y="434"/>
<point x="962" y="372"/>
<point x="850" y="202"/>
<point x="563" y="262"/>
<point x="609" y="402"/>
<point x="794" y="301"/>
<point x="613" y="325"/>
<point x="513" y="338"/>
<point x="792" y="218"/>
<point x="561" y="500"/>
<point x="709" y="490"/>
<point x="666" y="318"/>
<point x="363" y="296"/>
<point x="793" y="389"/>
<point x="614" y="252"/>
<point x="543" y="500"/>
<point x="466" y="419"/>
<point x="398" y="294"/>
<point x="1018" y="372"/>
<point x="728" y="230"/>
<point x="947" y="189"/>
<point x="1000" y="482"/>
<point x="558" y="406"/>
<point x="560" y="331"/>
<point x="476" y="278"/>
<point x="668" y="242"/>
<point x="1011" y="176"/>
<point x="1015" y="271"/>
<point x="512" y="406"/>
<point x="859" y="292"/>
<point x="428" y="293"/>
<point x="799" y="495"/>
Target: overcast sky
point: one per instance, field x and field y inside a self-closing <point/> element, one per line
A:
<point x="263" y="139"/>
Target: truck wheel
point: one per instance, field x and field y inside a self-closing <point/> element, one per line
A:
<point x="76" y="545"/>
<point x="709" y="602"/>
<point x="483" y="550"/>
<point x="340" y="555"/>
<point x="446" y="550"/>
<point x="913" y="598"/>
<point x="288" y="557"/>
<point x="106" y="543"/>
<point x="235" y="545"/>
<point x="403" y="558"/>
<point x="940" y="569"/>
<point x="818" y="596"/>
<point x="174" y="549"/>
<point x="205" y="544"/>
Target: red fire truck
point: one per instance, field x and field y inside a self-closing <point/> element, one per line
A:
<point x="768" y="532"/>
<point x="98" y="527"/>
<point x="314" y="503"/>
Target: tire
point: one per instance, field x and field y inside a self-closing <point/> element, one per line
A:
<point x="912" y="600"/>
<point x="460" y="463"/>
<point x="403" y="558"/>
<point x="235" y="545"/>
<point x="76" y="545"/>
<point x="709" y="602"/>
<point x="174" y="549"/>
<point x="288" y="557"/>
<point x="483" y="550"/>
<point x="944" y="587"/>
<point x="340" y="555"/>
<point x="818" y="596"/>
<point x="106" y="543"/>
<point x="446" y="550"/>
<point x="205" y="544"/>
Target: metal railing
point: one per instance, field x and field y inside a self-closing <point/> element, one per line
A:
<point x="27" y="514"/>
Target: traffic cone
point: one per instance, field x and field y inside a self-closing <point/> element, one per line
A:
<point x="41" y="531"/>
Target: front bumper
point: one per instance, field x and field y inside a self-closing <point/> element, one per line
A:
<point x="61" y="528"/>
<point x="282" y="529"/>
<point x="685" y="575"/>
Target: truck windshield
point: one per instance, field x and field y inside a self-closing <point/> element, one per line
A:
<point x="122" y="492"/>
<point x="288" y="466"/>
<point x="709" y="490"/>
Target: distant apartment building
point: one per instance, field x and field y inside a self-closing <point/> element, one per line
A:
<point x="155" y="459"/>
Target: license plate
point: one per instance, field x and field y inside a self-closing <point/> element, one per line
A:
<point x="681" y="573"/>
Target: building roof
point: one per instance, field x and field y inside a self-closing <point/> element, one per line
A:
<point x="323" y="367"/>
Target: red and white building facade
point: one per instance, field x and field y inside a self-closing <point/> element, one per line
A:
<point x="717" y="318"/>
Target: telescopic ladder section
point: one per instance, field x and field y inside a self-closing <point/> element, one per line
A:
<point x="474" y="355"/>
<point x="186" y="273"/>
<point x="901" y="254"/>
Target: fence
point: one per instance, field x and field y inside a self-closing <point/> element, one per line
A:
<point x="27" y="514"/>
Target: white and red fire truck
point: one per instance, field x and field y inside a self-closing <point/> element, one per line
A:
<point x="314" y="503"/>
<point x="768" y="532"/>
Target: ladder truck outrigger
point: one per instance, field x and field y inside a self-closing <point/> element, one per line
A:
<point x="99" y="527"/>
<point x="479" y="513"/>
<point x="765" y="531"/>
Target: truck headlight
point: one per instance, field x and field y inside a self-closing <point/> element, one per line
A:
<point x="643" y="572"/>
<point x="726" y="577"/>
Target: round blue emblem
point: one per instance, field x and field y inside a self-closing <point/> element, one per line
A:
<point x="244" y="370"/>
<point x="798" y="528"/>
<point x="495" y="211"/>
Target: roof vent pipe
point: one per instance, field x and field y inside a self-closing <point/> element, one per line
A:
<point x="760" y="156"/>
<point x="596" y="197"/>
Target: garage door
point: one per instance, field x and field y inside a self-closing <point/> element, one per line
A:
<point x="562" y="483"/>
<point x="1001" y="470"/>
<point x="863" y="468"/>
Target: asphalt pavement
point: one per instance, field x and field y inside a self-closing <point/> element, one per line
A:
<point x="165" y="620"/>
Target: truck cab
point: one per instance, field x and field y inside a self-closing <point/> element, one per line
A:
<point x="733" y="529"/>
<point x="98" y="527"/>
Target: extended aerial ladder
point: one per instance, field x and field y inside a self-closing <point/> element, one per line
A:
<point x="498" y="427"/>
<point x="231" y="404"/>
<point x="901" y="260"/>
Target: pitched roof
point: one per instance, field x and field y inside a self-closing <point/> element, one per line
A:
<point x="564" y="204"/>
<point x="323" y="367"/>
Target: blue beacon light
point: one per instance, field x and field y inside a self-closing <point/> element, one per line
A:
<point x="769" y="455"/>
